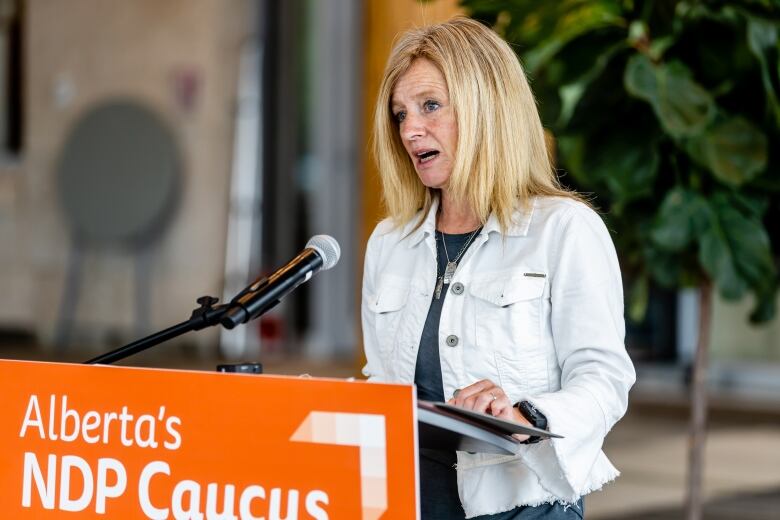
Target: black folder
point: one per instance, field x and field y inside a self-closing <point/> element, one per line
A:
<point x="449" y="428"/>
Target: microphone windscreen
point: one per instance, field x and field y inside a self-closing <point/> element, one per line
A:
<point x="327" y="247"/>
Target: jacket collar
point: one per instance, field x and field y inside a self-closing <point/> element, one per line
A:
<point x="519" y="227"/>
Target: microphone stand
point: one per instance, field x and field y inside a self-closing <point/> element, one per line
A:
<point x="207" y="315"/>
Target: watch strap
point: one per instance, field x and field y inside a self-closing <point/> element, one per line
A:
<point x="535" y="417"/>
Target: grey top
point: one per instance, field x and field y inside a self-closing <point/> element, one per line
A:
<point x="427" y="374"/>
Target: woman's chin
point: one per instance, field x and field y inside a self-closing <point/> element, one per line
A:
<point x="433" y="181"/>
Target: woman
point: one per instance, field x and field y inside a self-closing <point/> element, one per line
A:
<point x="490" y="281"/>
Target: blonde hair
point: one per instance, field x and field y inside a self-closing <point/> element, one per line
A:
<point x="501" y="156"/>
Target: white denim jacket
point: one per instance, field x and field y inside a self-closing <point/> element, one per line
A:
<point x="541" y="316"/>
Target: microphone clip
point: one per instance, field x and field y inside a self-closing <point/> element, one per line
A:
<point x="207" y="315"/>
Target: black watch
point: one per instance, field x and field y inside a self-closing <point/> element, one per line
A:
<point x="535" y="417"/>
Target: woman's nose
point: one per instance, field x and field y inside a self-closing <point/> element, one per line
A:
<point x="412" y="127"/>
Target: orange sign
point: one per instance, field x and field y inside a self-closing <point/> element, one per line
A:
<point x="81" y="441"/>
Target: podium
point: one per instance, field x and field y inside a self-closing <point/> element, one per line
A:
<point x="81" y="440"/>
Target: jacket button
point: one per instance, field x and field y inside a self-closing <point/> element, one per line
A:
<point x="452" y="340"/>
<point x="457" y="288"/>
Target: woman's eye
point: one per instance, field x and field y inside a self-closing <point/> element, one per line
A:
<point x="399" y="116"/>
<point x="430" y="106"/>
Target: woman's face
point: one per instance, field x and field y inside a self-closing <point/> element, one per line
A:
<point x="420" y="104"/>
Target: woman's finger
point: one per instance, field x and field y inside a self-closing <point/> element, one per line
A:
<point x="501" y="407"/>
<point x="461" y="396"/>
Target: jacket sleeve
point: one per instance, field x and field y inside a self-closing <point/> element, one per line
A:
<point x="588" y="332"/>
<point x="373" y="368"/>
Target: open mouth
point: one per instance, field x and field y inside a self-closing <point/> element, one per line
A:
<point x="427" y="156"/>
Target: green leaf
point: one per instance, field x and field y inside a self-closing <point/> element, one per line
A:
<point x="665" y="268"/>
<point x="682" y="106"/>
<point x="573" y="153"/>
<point x="627" y="164"/>
<point x="659" y="46"/>
<point x="754" y="206"/>
<point x="762" y="40"/>
<point x="734" y="150"/>
<point x="573" y="19"/>
<point x="717" y="259"/>
<point x="749" y="239"/>
<point x="638" y="299"/>
<point x="631" y="171"/>
<point x="734" y="249"/>
<point x="641" y="78"/>
<point x="766" y="304"/>
<point x="682" y="216"/>
<point x="571" y="93"/>
<point x="638" y="32"/>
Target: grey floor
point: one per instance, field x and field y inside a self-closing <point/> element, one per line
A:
<point x="649" y="446"/>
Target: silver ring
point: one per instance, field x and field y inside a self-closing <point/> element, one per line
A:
<point x="493" y="396"/>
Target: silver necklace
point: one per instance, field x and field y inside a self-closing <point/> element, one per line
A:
<point x="449" y="271"/>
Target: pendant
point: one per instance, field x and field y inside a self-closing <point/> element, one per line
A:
<point x="449" y="272"/>
<point x="439" y="285"/>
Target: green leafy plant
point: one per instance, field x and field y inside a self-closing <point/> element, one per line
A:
<point x="669" y="110"/>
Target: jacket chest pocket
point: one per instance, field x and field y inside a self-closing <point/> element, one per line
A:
<point x="508" y="323"/>
<point x="388" y="306"/>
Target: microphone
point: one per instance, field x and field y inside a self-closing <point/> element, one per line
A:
<point x="322" y="252"/>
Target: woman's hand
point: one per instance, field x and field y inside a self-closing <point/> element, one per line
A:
<point x="486" y="397"/>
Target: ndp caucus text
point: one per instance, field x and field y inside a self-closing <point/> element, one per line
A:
<point x="47" y="478"/>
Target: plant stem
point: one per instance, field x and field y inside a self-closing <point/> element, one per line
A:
<point x="698" y="431"/>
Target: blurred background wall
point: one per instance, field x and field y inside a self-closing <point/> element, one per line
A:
<point x="178" y="59"/>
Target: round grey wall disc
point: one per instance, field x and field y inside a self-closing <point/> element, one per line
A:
<point x="118" y="174"/>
